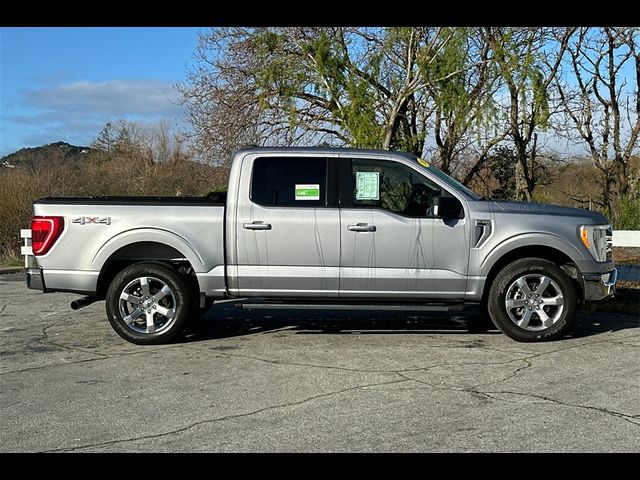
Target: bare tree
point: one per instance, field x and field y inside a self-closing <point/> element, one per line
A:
<point x="220" y="94"/>
<point x="598" y="102"/>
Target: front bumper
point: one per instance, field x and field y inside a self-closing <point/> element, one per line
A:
<point x="598" y="286"/>
<point x="35" y="280"/>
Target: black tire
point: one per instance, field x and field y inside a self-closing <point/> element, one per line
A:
<point x="197" y="313"/>
<point x="481" y="324"/>
<point x="208" y="303"/>
<point x="176" y="303"/>
<point x="559" y="317"/>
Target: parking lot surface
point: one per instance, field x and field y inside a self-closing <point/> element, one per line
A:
<point x="289" y="381"/>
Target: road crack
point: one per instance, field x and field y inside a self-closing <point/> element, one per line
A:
<point x="45" y="339"/>
<point x="473" y="390"/>
<point x="359" y="370"/>
<point x="633" y="419"/>
<point x="103" y="356"/>
<point x="226" y="417"/>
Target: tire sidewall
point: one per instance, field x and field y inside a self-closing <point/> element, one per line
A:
<point x="506" y="277"/>
<point x="168" y="275"/>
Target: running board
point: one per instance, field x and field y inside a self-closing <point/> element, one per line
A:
<point x="347" y="306"/>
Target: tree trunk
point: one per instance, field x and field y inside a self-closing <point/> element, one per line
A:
<point x="623" y="178"/>
<point x="606" y="192"/>
<point x="524" y="182"/>
<point x="523" y="191"/>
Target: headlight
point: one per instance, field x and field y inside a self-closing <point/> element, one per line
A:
<point x="597" y="239"/>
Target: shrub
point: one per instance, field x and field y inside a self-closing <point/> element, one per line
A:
<point x="99" y="174"/>
<point x="628" y="216"/>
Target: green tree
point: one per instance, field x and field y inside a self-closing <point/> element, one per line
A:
<point x="528" y="59"/>
<point x="503" y="167"/>
<point x="106" y="139"/>
<point x="465" y="116"/>
<point x="363" y="87"/>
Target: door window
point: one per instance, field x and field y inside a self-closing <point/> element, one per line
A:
<point x="392" y="186"/>
<point x="289" y="182"/>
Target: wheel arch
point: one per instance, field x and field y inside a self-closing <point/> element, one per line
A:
<point x="552" y="254"/>
<point x="144" y="251"/>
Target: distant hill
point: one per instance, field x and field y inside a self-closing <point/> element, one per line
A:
<point x="39" y="157"/>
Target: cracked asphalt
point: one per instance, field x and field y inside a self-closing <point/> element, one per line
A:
<point x="287" y="381"/>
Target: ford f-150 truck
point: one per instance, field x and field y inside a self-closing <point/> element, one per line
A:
<point x="323" y="228"/>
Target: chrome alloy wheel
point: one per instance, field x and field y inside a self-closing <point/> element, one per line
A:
<point x="534" y="302"/>
<point x="147" y="305"/>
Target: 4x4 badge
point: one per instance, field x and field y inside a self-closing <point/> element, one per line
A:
<point x="96" y="220"/>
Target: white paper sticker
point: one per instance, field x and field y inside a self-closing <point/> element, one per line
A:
<point x="307" y="191"/>
<point x="367" y="185"/>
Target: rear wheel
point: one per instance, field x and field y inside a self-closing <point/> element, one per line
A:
<point x="532" y="300"/>
<point x="148" y="303"/>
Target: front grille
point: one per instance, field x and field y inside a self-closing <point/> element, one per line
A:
<point x="609" y="244"/>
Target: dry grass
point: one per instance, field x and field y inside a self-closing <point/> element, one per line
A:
<point x="626" y="255"/>
<point x="98" y="175"/>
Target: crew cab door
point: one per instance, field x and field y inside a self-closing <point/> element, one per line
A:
<point x="287" y="228"/>
<point x="392" y="246"/>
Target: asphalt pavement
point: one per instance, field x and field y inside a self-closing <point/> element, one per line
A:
<point x="305" y="381"/>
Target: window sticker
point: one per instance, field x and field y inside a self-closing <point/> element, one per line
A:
<point x="367" y="185"/>
<point x="307" y="191"/>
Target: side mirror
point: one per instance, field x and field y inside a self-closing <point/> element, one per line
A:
<point x="447" y="208"/>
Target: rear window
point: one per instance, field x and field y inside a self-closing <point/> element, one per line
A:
<point x="289" y="182"/>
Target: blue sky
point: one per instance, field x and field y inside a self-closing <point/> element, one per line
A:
<point x="66" y="83"/>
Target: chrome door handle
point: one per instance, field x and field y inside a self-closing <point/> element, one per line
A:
<point x="361" y="227"/>
<point x="257" y="226"/>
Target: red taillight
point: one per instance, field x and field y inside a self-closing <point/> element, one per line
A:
<point x="44" y="233"/>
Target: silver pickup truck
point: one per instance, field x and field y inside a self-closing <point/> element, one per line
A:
<point x="323" y="228"/>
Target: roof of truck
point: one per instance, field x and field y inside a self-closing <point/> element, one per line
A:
<point x="321" y="150"/>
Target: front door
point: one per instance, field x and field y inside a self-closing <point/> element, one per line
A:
<point x="392" y="246"/>
<point x="288" y="229"/>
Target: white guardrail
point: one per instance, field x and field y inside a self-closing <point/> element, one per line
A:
<point x="626" y="238"/>
<point x="26" y="250"/>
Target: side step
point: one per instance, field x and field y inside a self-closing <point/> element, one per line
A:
<point x="403" y="307"/>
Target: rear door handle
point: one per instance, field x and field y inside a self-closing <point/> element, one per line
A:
<point x="362" y="227"/>
<point x="257" y="226"/>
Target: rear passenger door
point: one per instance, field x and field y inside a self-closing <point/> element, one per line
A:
<point x="287" y="228"/>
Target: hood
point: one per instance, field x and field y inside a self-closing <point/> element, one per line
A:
<point x="545" y="209"/>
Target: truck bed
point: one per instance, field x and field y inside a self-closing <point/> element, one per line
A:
<point x="100" y="229"/>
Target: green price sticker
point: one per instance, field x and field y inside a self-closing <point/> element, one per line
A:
<point x="308" y="191"/>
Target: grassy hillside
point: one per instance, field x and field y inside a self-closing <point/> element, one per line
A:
<point x="59" y="153"/>
<point x="86" y="174"/>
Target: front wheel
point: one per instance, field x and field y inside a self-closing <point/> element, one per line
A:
<point x="148" y="303"/>
<point x="532" y="300"/>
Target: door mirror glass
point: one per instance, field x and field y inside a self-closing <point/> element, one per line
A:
<point x="447" y="208"/>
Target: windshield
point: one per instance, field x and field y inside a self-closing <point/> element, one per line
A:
<point x="451" y="181"/>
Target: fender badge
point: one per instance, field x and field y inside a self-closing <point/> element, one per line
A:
<point x="94" y="220"/>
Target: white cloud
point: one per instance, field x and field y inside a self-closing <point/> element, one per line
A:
<point x="112" y="98"/>
<point x="76" y="111"/>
